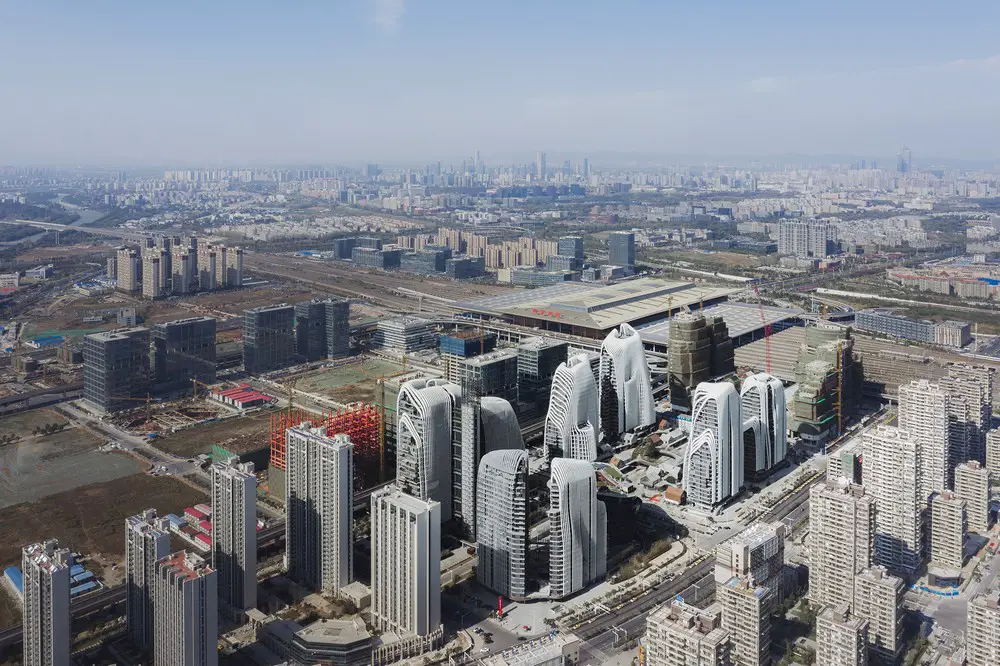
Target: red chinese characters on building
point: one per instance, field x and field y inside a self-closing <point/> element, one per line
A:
<point x="546" y="313"/>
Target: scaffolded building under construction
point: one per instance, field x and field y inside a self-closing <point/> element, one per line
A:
<point x="829" y="383"/>
<point x="362" y="423"/>
<point x="698" y="349"/>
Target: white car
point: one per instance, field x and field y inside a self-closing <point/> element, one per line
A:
<point x="485" y="649"/>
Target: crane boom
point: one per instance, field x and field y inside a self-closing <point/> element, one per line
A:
<point x="767" y="329"/>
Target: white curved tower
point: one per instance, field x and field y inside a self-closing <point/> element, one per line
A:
<point x="502" y="522"/>
<point x="572" y="421"/>
<point x="425" y="409"/>
<point x="765" y="439"/>
<point x="488" y="424"/>
<point x="713" y="462"/>
<point x="578" y="528"/>
<point x="625" y="391"/>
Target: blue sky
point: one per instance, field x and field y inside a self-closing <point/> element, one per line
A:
<point x="220" y="82"/>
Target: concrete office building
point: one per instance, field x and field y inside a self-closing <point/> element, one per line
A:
<point x="463" y="344"/>
<point x="746" y="615"/>
<point x="234" y="535"/>
<point x="406" y="563"/>
<point x="488" y="424"/>
<point x="982" y="634"/>
<point x="923" y="413"/>
<point x="323" y="328"/>
<point x="841" y="637"/>
<point x="806" y="238"/>
<point x="428" y="431"/>
<point x="890" y="475"/>
<point x="537" y="360"/>
<point x="186" y="612"/>
<point x="681" y="635"/>
<point x="947" y="533"/>
<point x="493" y="373"/>
<point x="624" y="390"/>
<point x="116" y="368"/>
<point x="268" y="338"/>
<point x="970" y="411"/>
<point x="713" y="460"/>
<point x="129" y="269"/>
<point x="45" y="617"/>
<point x="765" y="424"/>
<point x="572" y="420"/>
<point x="405" y="334"/>
<point x="571" y="246"/>
<point x="841" y="540"/>
<point x="184" y="350"/>
<point x="578" y="528"/>
<point x="756" y="555"/>
<point x="147" y="541"/>
<point x="319" y="522"/>
<point x="948" y="333"/>
<point x="878" y="597"/>
<point x="972" y="484"/>
<point x="502" y="522"/>
<point x="621" y="250"/>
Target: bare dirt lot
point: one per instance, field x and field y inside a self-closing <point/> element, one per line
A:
<point x="89" y="520"/>
<point x="351" y="382"/>
<point x="199" y="439"/>
<point x="40" y="465"/>
<point x="24" y="422"/>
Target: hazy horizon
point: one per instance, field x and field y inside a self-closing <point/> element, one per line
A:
<point x="398" y="82"/>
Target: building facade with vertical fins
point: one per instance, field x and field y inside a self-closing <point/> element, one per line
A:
<point x="488" y="424"/>
<point x="425" y="411"/>
<point x="765" y="424"/>
<point x="572" y="422"/>
<point x="713" y="461"/>
<point x="502" y="522"/>
<point x="624" y="390"/>
<point x="578" y="528"/>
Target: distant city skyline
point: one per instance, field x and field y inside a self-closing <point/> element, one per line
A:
<point x="390" y="80"/>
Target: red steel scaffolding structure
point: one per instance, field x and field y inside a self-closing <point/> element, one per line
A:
<point x="362" y="423"/>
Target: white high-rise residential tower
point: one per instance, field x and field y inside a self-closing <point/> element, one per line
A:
<point x="573" y="419"/>
<point x="502" y="522"/>
<point x="625" y="391"/>
<point x="319" y="496"/>
<point x="186" y="612"/>
<point x="234" y="535"/>
<point x="45" y="606"/>
<point x="890" y="475"/>
<point x="923" y="412"/>
<point x="578" y="528"/>
<point x="425" y="410"/>
<point x="841" y="540"/>
<point x="147" y="540"/>
<point x="765" y="429"/>
<point x="406" y="563"/>
<point x="713" y="462"/>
